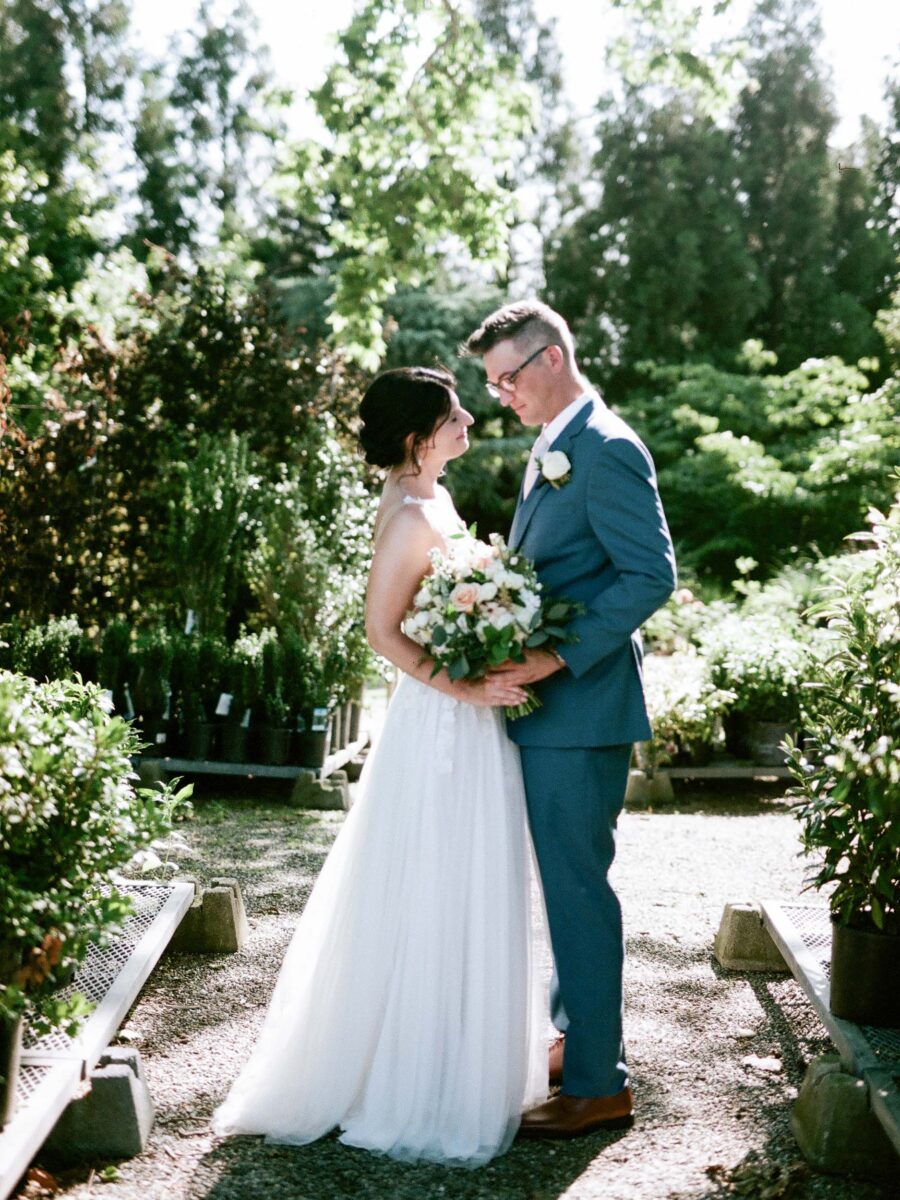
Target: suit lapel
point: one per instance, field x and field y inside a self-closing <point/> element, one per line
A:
<point x="526" y="508"/>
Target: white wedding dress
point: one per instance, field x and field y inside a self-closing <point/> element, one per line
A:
<point x="407" y="1011"/>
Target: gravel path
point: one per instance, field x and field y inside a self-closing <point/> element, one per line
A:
<point x="707" y="1125"/>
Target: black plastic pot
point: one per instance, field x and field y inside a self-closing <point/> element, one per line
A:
<point x="736" y="727"/>
<point x="234" y="742"/>
<point x="311" y="748"/>
<point x="865" y="976"/>
<point x="10" y="1058"/>
<point x="764" y="740"/>
<point x="154" y="731"/>
<point x="198" y="739"/>
<point x="274" y="745"/>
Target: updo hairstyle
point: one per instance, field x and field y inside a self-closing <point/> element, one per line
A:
<point x="404" y="401"/>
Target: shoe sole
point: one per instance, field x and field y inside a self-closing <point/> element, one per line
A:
<point x="613" y="1123"/>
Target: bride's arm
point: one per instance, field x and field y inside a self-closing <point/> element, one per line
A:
<point x="398" y="567"/>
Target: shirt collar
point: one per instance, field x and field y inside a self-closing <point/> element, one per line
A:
<point x="554" y="428"/>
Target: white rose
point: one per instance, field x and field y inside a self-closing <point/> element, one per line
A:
<point x="501" y="618"/>
<point x="555" y="465"/>
<point x="487" y="591"/>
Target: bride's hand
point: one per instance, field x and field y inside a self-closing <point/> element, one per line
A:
<point x="491" y="692"/>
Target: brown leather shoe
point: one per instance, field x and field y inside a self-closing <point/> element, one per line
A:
<point x="572" y="1116"/>
<point x="557" y="1049"/>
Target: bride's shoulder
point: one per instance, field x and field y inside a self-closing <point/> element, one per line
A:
<point x="404" y="524"/>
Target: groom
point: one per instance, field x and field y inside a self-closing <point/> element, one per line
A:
<point x="589" y="516"/>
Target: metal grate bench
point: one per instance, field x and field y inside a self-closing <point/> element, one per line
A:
<point x="111" y="977"/>
<point x="802" y="933"/>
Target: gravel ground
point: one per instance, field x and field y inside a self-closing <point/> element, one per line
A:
<point x="707" y="1124"/>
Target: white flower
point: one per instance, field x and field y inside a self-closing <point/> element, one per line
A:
<point x="487" y="591"/>
<point x="555" y="467"/>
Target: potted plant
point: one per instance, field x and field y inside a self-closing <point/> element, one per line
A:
<point x="50" y="651"/>
<point x="847" y="782"/>
<point x="274" y="733"/>
<point x="69" y="816"/>
<point x="685" y="710"/>
<point x="115" y="662"/>
<point x="245" y="685"/>
<point x="202" y="675"/>
<point x="153" y="658"/>
<point x="764" y="661"/>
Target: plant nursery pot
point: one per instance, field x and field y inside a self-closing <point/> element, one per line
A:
<point x="697" y="755"/>
<point x="764" y="740"/>
<point x="234" y="742"/>
<point x="311" y="748"/>
<point x="865" y="976"/>
<point x="198" y="739"/>
<point x="274" y="745"/>
<point x="154" y="731"/>
<point x="10" y="1058"/>
<point x="736" y="727"/>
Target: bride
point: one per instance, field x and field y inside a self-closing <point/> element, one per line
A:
<point x="405" y="1012"/>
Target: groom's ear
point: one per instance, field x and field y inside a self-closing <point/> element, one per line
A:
<point x="556" y="360"/>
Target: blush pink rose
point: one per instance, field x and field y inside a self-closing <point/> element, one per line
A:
<point x="464" y="597"/>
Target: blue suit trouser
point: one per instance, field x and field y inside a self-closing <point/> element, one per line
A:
<point x="574" y="799"/>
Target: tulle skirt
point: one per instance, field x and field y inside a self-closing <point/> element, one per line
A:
<point x="407" y="1011"/>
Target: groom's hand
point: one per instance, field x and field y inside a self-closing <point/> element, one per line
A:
<point x="538" y="665"/>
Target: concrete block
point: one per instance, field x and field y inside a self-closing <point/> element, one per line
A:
<point x="646" y="791"/>
<point x="113" y="1118"/>
<point x="835" y="1127"/>
<point x="216" y="922"/>
<point x="743" y="943"/>
<point x="332" y="792"/>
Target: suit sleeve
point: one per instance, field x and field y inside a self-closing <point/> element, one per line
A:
<point x="626" y="516"/>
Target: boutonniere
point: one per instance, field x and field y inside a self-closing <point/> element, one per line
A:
<point x="555" y="468"/>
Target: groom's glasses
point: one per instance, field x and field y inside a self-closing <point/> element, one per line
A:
<point x="507" y="381"/>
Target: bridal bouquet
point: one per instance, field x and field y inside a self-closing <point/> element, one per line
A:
<point x="482" y="605"/>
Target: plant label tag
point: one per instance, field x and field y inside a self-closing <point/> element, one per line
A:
<point x="129" y="704"/>
<point x="191" y="622"/>
<point x="161" y="738"/>
<point x="223" y="708"/>
<point x="245" y="719"/>
<point x="319" y="721"/>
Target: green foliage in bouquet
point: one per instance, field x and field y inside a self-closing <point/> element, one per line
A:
<point x="481" y="606"/>
<point x="69" y="817"/>
<point x="847" y="774"/>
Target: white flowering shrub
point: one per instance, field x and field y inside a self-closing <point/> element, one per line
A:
<point x="69" y="816"/>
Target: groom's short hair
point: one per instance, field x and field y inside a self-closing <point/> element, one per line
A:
<point x="526" y="322"/>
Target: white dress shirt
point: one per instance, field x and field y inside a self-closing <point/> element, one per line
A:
<point x="548" y="436"/>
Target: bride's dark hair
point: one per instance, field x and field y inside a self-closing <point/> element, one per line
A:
<point x="404" y="401"/>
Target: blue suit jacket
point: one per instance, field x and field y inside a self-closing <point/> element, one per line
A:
<point x="602" y="539"/>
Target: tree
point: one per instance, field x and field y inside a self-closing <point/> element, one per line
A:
<point x="551" y="153"/>
<point x="659" y="267"/>
<point x="784" y="117"/>
<point x="419" y="156"/>
<point x="204" y="138"/>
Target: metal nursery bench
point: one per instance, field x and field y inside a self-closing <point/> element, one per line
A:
<point x="802" y="932"/>
<point x="54" y="1066"/>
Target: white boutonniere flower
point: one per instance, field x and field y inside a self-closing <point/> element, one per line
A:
<point x="555" y="468"/>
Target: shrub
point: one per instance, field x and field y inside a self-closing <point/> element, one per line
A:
<point x="69" y="816"/>
<point x="685" y="708"/>
<point x="847" y="776"/>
